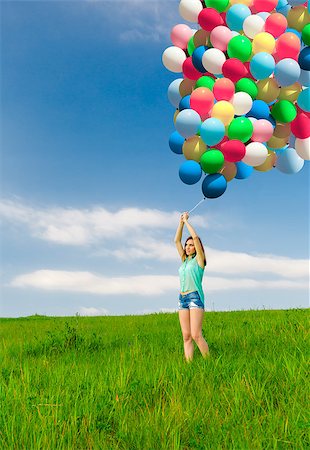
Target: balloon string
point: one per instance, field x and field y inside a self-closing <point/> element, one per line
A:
<point x="196" y="205"/>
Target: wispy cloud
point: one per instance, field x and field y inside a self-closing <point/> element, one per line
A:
<point x="87" y="282"/>
<point x="141" y="20"/>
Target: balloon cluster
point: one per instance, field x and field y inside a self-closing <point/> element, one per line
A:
<point x="244" y="100"/>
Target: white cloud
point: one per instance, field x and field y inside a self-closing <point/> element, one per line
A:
<point x="71" y="226"/>
<point x="141" y="285"/>
<point x="91" y="311"/>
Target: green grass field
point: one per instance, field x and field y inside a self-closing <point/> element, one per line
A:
<point x="123" y="383"/>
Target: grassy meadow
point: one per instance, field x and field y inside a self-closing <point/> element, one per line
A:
<point x="123" y="383"/>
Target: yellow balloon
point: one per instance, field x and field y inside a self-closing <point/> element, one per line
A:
<point x="268" y="163"/>
<point x="282" y="130"/>
<point x="193" y="148"/>
<point x="248" y="3"/>
<point x="224" y="111"/>
<point x="290" y="93"/>
<point x="298" y="17"/>
<point x="263" y="42"/>
<point x="275" y="142"/>
<point x="268" y="90"/>
<point x="175" y="115"/>
<point x="229" y="170"/>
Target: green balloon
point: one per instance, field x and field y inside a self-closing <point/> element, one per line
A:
<point x="241" y="129"/>
<point x="212" y="161"/>
<point x="240" y="47"/>
<point x="284" y="111"/>
<point x="205" y="81"/>
<point x="305" y="34"/>
<point x="219" y="5"/>
<point x="247" y="85"/>
<point x="191" y="46"/>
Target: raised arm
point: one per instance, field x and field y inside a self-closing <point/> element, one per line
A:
<point x="198" y="247"/>
<point x="178" y="237"/>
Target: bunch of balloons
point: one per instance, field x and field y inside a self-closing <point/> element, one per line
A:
<point x="243" y="101"/>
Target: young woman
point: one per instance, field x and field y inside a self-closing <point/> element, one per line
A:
<point x="191" y="300"/>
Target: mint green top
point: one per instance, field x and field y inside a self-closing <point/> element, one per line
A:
<point x="191" y="276"/>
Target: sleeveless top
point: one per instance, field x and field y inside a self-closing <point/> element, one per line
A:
<point x="191" y="275"/>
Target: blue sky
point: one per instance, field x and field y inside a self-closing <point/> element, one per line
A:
<point x="90" y="192"/>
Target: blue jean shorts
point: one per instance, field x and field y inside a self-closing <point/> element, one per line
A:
<point x="190" y="300"/>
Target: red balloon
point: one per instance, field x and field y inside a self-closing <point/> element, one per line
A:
<point x="201" y="101"/>
<point x="276" y="24"/>
<point x="233" y="150"/>
<point x="209" y="18"/>
<point x="287" y="46"/>
<point x="300" y="126"/>
<point x="265" y="5"/>
<point x="190" y="71"/>
<point x="234" y="69"/>
<point x="223" y="89"/>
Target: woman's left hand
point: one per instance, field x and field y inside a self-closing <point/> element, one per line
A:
<point x="185" y="216"/>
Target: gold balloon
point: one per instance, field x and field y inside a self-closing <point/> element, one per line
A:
<point x="193" y="148"/>
<point x="229" y="170"/>
<point x="186" y="87"/>
<point x="275" y="142"/>
<point x="175" y="115"/>
<point x="282" y="130"/>
<point x="201" y="37"/>
<point x="290" y="92"/>
<point x="298" y="17"/>
<point x="268" y="90"/>
<point x="268" y="163"/>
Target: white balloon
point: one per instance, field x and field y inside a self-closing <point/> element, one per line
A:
<point x="255" y="154"/>
<point x="173" y="58"/>
<point x="190" y="9"/>
<point x="242" y="102"/>
<point x="302" y="147"/>
<point x="253" y="25"/>
<point x="213" y="60"/>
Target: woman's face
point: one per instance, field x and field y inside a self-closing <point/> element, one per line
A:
<point x="190" y="247"/>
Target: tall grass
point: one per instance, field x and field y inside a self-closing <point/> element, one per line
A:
<point x="123" y="383"/>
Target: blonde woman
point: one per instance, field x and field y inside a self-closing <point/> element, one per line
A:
<point x="191" y="299"/>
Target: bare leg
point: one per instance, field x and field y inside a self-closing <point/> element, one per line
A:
<point x="196" y="319"/>
<point x="184" y="316"/>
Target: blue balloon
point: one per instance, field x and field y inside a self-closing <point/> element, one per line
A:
<point x="303" y="100"/>
<point x="214" y="185"/>
<point x="243" y="170"/>
<point x="291" y="141"/>
<point x="272" y="120"/>
<point x="190" y="172"/>
<point x="176" y="142"/>
<point x="296" y="2"/>
<point x="174" y="95"/>
<point x="185" y="103"/>
<point x="236" y="15"/>
<point x="212" y="131"/>
<point x="289" y="161"/>
<point x="197" y="58"/>
<point x="263" y="15"/>
<point x="287" y="72"/>
<point x="259" y="110"/>
<point x="262" y="65"/>
<point x="304" y="58"/>
<point x="284" y="9"/>
<point x="304" y="78"/>
<point x="187" y="122"/>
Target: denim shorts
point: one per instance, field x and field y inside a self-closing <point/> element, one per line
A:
<point x="190" y="300"/>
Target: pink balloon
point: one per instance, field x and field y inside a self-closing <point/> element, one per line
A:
<point x="220" y="36"/>
<point x="201" y="101"/>
<point x="262" y="130"/>
<point x="276" y="24"/>
<point x="233" y="150"/>
<point x="190" y="71"/>
<point x="223" y="89"/>
<point x="180" y="35"/>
